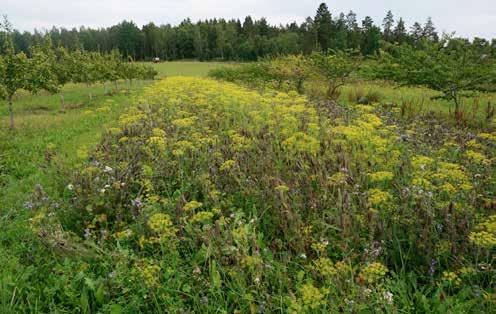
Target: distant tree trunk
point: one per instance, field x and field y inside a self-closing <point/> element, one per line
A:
<point x="62" y="102"/>
<point x="299" y="86"/>
<point x="11" y="112"/>
<point x="89" y="92"/>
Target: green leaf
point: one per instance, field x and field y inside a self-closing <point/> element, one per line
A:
<point x="215" y="276"/>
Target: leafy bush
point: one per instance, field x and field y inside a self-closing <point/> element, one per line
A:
<point x="252" y="74"/>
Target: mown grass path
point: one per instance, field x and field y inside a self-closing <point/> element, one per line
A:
<point x="36" y="153"/>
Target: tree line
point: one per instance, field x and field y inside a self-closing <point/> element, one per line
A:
<point x="47" y="68"/>
<point x="247" y="40"/>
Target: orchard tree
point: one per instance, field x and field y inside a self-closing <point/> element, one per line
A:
<point x="336" y="69"/>
<point x="148" y="72"/>
<point x="83" y="68"/>
<point x="103" y="69"/>
<point x="114" y="64"/>
<point x="294" y="68"/>
<point x="13" y="75"/>
<point x="130" y="71"/>
<point x="17" y="72"/>
<point x="62" y="69"/>
<point x="43" y="67"/>
<point x="448" y="68"/>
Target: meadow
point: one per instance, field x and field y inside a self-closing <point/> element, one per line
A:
<point x="189" y="194"/>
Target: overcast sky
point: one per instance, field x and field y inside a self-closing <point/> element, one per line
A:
<point x="469" y="18"/>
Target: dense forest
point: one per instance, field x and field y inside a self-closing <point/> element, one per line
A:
<point x="220" y="39"/>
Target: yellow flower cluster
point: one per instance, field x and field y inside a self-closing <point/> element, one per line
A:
<point x="447" y="178"/>
<point x="300" y="143"/>
<point x="485" y="233"/>
<point x="184" y="122"/>
<point x="337" y="179"/>
<point x="381" y="176"/>
<point x="310" y="298"/>
<point x="325" y="267"/>
<point x="367" y="139"/>
<point x="377" y="197"/>
<point x="122" y="235"/>
<point x="191" y="206"/>
<point x="483" y="239"/>
<point x="219" y="109"/>
<point x="373" y="273"/>
<point x="282" y="188"/>
<point x="451" y="278"/>
<point x="251" y="262"/>
<point x="467" y="271"/>
<point x="162" y="226"/>
<point x="150" y="273"/>
<point x="202" y="217"/>
<point x="227" y="165"/>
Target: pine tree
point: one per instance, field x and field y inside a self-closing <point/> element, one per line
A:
<point x="323" y="23"/>
<point x="387" y="25"/>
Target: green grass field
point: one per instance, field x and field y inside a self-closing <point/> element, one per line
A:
<point x="186" y="68"/>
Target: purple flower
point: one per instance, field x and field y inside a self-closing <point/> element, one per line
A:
<point x="137" y="203"/>
<point x="432" y="267"/>
<point x="29" y="205"/>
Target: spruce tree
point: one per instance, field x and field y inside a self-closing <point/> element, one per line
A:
<point x="371" y="35"/>
<point x="429" y="31"/>
<point x="387" y="25"/>
<point x="399" y="33"/>
<point x="323" y="24"/>
<point x="417" y="32"/>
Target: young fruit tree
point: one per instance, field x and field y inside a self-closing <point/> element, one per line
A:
<point x="293" y="68"/>
<point x="14" y="67"/>
<point x="336" y="69"/>
<point x="83" y="66"/>
<point x="451" y="67"/>
<point x="42" y="72"/>
<point x="62" y="69"/>
<point x="17" y="71"/>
